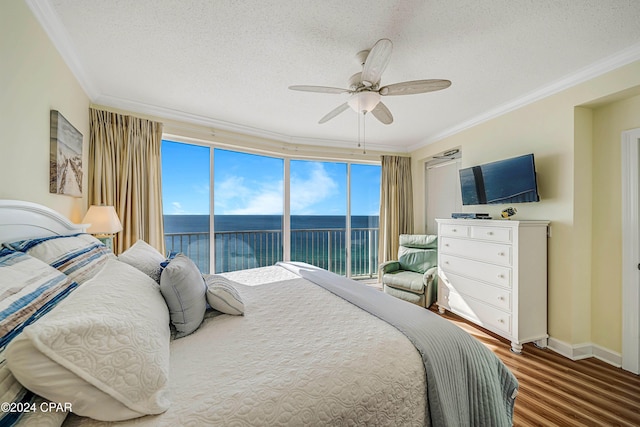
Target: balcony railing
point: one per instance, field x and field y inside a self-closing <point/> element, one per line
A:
<point x="238" y="250"/>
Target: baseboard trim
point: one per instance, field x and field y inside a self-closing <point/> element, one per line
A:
<point x="585" y="350"/>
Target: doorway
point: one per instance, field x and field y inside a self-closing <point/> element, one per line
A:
<point x="442" y="188"/>
<point x="631" y="250"/>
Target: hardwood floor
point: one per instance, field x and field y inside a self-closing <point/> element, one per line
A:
<point x="556" y="391"/>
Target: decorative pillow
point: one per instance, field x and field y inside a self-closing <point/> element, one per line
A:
<point x="145" y="258"/>
<point x="183" y="289"/>
<point x="79" y="256"/>
<point x="29" y="288"/>
<point x="99" y="350"/>
<point x="223" y="296"/>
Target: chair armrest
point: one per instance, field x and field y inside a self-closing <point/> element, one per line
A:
<point x="388" y="266"/>
<point x="431" y="275"/>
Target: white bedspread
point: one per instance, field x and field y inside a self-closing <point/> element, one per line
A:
<point x="299" y="356"/>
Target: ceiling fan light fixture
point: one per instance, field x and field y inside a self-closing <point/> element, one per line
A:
<point x="363" y="102"/>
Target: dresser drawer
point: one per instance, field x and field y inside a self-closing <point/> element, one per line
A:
<point x="495" y="253"/>
<point x="494" y="234"/>
<point x="497" y="297"/>
<point x="475" y="311"/>
<point x="454" y="230"/>
<point x="491" y="273"/>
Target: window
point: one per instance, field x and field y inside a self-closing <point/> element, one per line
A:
<point x="365" y="219"/>
<point x="319" y="214"/>
<point x="248" y="205"/>
<point x="185" y="201"/>
<point x="332" y="219"/>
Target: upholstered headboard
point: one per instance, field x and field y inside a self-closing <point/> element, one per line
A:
<point x="23" y="220"/>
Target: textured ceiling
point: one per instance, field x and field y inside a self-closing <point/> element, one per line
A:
<point x="228" y="63"/>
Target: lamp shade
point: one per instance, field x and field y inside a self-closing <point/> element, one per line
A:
<point x="364" y="101"/>
<point x="103" y="220"/>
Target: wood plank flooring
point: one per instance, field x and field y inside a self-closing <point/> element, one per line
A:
<point x="556" y="391"/>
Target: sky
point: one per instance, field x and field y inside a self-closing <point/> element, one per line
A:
<point x="248" y="184"/>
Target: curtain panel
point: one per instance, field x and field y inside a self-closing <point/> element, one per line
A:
<point x="396" y="205"/>
<point x="125" y="172"/>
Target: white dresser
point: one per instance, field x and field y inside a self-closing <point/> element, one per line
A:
<point x="494" y="273"/>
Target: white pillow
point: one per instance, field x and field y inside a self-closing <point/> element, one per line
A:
<point x="223" y="296"/>
<point x="145" y="258"/>
<point x="104" y="349"/>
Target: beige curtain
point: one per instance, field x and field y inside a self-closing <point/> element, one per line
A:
<point x="124" y="172"/>
<point x="396" y="205"/>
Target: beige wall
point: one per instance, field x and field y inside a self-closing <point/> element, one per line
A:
<point x="562" y="138"/>
<point x="609" y="121"/>
<point x="33" y="80"/>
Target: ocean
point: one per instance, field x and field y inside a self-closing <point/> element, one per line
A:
<point x="200" y="223"/>
<point x="249" y="241"/>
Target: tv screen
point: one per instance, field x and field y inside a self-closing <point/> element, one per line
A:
<point x="505" y="181"/>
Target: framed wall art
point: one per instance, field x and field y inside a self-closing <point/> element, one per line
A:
<point x="65" y="163"/>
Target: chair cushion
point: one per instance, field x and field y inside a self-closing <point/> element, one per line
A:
<point x="418" y="260"/>
<point x="419" y="241"/>
<point x="406" y="280"/>
<point x="417" y="299"/>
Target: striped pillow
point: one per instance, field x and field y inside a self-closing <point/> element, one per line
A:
<point x="29" y="288"/>
<point x="79" y="256"/>
<point x="223" y="296"/>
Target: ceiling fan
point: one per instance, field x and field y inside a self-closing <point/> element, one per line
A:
<point x="365" y="89"/>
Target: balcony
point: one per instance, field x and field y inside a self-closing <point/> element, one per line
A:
<point x="238" y="250"/>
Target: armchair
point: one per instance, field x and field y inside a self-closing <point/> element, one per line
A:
<point x="413" y="276"/>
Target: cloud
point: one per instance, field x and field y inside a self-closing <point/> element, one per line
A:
<point x="236" y="195"/>
<point x="310" y="190"/>
<point x="264" y="199"/>
<point x="177" y="208"/>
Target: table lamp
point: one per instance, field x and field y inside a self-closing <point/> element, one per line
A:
<point x="104" y="223"/>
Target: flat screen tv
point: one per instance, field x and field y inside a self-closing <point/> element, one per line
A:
<point x="505" y="181"/>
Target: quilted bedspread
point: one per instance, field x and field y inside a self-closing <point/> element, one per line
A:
<point x="467" y="385"/>
<point x="299" y="356"/>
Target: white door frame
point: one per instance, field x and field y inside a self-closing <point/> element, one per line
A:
<point x="631" y="251"/>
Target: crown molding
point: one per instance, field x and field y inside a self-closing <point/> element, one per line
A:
<point x="617" y="60"/>
<point x="50" y="22"/>
<point x="238" y="129"/>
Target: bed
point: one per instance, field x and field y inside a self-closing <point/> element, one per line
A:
<point x="297" y="346"/>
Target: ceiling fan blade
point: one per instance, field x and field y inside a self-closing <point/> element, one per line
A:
<point x="382" y="113"/>
<point x="376" y="62"/>
<point x="320" y="89"/>
<point x="331" y="114"/>
<point x="413" y="87"/>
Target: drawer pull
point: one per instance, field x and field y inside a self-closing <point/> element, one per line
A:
<point x="500" y="253"/>
<point x="446" y="262"/>
<point x="454" y="230"/>
<point x="446" y="244"/>
<point x="500" y="276"/>
<point x="500" y="320"/>
<point x="490" y="233"/>
<point x="500" y="298"/>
